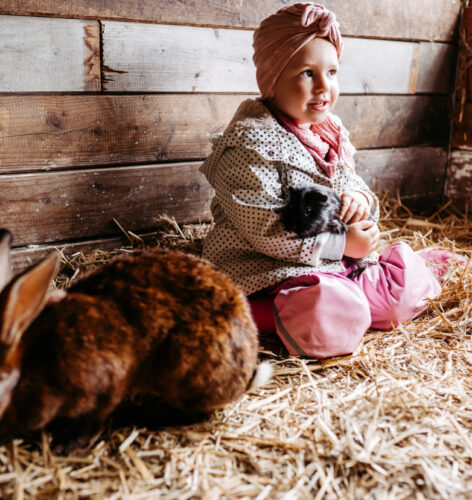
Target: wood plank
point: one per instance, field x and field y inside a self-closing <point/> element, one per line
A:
<point x="459" y="176"/>
<point x="23" y="257"/>
<point x="466" y="82"/>
<point x="61" y="206"/>
<point x="462" y="119"/>
<point x="395" y="121"/>
<point x="46" y="207"/>
<point x="420" y="20"/>
<point x="462" y="126"/>
<point x="39" y="54"/>
<point x="64" y="55"/>
<point x="53" y="132"/>
<point x="390" y="67"/>
<point x="437" y="65"/>
<point x="417" y="172"/>
<point x="57" y="132"/>
<point x="164" y="58"/>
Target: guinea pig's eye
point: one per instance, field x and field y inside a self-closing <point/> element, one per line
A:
<point x="308" y="211"/>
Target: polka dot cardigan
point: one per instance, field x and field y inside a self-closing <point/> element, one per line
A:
<point x="251" y="166"/>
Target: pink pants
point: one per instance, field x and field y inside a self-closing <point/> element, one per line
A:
<point x="326" y="314"/>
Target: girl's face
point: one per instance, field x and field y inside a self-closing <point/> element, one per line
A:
<point x="308" y="88"/>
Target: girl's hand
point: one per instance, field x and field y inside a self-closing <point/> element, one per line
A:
<point x="361" y="239"/>
<point x="355" y="207"/>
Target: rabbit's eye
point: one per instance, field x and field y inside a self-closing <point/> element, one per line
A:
<point x="308" y="211"/>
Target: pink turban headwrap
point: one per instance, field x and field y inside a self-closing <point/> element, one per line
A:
<point x="282" y="34"/>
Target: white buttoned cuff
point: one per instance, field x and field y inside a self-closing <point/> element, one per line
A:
<point x="324" y="246"/>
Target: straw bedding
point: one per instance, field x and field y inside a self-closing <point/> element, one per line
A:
<point x="391" y="421"/>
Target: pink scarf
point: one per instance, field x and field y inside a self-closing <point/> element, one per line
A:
<point x="327" y="142"/>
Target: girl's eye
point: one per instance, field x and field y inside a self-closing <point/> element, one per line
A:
<point x="332" y="72"/>
<point x="308" y="73"/>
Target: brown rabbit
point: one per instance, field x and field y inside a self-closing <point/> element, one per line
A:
<point x="157" y="321"/>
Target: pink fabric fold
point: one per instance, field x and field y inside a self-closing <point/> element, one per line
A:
<point x="327" y="141"/>
<point x="327" y="318"/>
<point x="398" y="287"/>
<point x="324" y="314"/>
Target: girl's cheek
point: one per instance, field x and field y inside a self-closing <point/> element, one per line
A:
<point x="335" y="94"/>
<point x="302" y="89"/>
<point x="336" y="89"/>
<point x="295" y="94"/>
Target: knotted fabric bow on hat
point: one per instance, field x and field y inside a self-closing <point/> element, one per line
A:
<point x="282" y="34"/>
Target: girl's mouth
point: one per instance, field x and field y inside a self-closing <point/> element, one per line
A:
<point x="319" y="106"/>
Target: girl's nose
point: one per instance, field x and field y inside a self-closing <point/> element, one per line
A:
<point x="320" y="84"/>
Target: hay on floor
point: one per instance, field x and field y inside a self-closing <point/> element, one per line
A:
<point x="393" y="420"/>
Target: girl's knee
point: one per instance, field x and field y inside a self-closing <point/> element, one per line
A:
<point x="398" y="288"/>
<point x="410" y="303"/>
<point x="339" y="338"/>
<point x="328" y="319"/>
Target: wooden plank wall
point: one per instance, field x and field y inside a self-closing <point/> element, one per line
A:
<point x="106" y="106"/>
<point x="459" y="177"/>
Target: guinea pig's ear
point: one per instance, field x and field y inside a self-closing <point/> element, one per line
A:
<point x="5" y="267"/>
<point x="24" y="298"/>
<point x="314" y="196"/>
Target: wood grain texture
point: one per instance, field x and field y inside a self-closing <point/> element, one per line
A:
<point x="52" y="132"/>
<point x="391" y="67"/>
<point x="58" y="132"/>
<point x="23" y="257"/>
<point x="61" y="206"/>
<point x="459" y="177"/>
<point x="92" y="58"/>
<point x="46" y="207"/>
<point x="158" y="58"/>
<point x="395" y="121"/>
<point x="466" y="78"/>
<point x="417" y="172"/>
<point x="163" y="58"/>
<point x="420" y="20"/>
<point x="436" y="68"/>
<point x="53" y="55"/>
<point x="462" y="120"/>
<point x="462" y="126"/>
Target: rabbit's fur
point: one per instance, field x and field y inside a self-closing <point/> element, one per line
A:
<point x="157" y="321"/>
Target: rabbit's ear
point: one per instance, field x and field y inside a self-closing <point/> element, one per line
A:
<point x="24" y="298"/>
<point x="5" y="268"/>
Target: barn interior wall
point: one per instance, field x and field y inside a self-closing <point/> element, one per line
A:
<point x="106" y="107"/>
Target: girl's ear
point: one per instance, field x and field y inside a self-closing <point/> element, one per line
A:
<point x="5" y="267"/>
<point x="24" y="298"/>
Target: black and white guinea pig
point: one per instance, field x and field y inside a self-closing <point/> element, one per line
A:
<point x="312" y="210"/>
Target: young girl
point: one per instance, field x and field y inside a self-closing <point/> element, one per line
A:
<point x="299" y="287"/>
